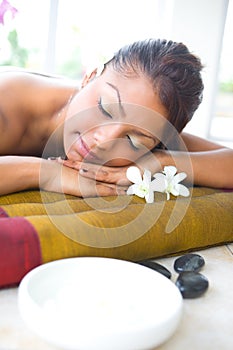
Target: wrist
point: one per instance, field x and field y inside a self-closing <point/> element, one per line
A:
<point x="58" y="178"/>
<point x="156" y="161"/>
<point x="30" y="172"/>
<point x="19" y="173"/>
<point x="164" y="158"/>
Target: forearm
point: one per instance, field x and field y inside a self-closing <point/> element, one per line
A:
<point x="209" y="168"/>
<point x="18" y="173"/>
<point x="24" y="173"/>
<point x="57" y="178"/>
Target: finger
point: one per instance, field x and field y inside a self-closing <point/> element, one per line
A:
<point x="71" y="164"/>
<point x="95" y="173"/>
<point x="54" y="159"/>
<point x="103" y="190"/>
<point x="105" y="174"/>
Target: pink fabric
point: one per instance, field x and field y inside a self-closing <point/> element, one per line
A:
<point x="20" y="249"/>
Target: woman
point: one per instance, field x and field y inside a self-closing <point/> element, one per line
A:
<point x="131" y="113"/>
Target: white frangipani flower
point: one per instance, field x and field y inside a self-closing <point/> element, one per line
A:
<point x="142" y="186"/>
<point x="168" y="182"/>
<point x="165" y="182"/>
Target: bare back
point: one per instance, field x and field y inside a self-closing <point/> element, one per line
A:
<point x="29" y="103"/>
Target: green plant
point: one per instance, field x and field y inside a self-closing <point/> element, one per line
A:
<point x="226" y="86"/>
<point x="18" y="55"/>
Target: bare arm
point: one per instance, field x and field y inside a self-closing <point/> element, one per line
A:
<point x="206" y="163"/>
<point x="212" y="164"/>
<point x="18" y="173"/>
<point x="23" y="173"/>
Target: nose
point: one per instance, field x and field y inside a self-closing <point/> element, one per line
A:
<point x="105" y="136"/>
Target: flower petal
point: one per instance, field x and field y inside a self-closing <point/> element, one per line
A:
<point x="4" y="7"/>
<point x="131" y="190"/>
<point x="140" y="193"/>
<point x="165" y="182"/>
<point x="137" y="190"/>
<point x="134" y="175"/>
<point x="168" y="196"/>
<point x="170" y="170"/>
<point x="175" y="191"/>
<point x="149" y="197"/>
<point x="183" y="190"/>
<point x="147" y="177"/>
<point x="159" y="175"/>
<point x="159" y="184"/>
<point x="179" y="177"/>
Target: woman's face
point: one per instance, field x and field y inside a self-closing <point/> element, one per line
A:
<point x="113" y="120"/>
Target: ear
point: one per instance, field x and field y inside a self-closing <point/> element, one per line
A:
<point x="88" y="77"/>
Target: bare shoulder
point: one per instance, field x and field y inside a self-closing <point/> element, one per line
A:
<point x="24" y="79"/>
<point x="28" y="102"/>
<point x="198" y="144"/>
<point x="16" y="88"/>
<point x="26" y="91"/>
<point x="16" y="91"/>
<point x="16" y="83"/>
<point x="15" y="78"/>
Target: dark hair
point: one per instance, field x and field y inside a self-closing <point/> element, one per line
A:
<point x="174" y="72"/>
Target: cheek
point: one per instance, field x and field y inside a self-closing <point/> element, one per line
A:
<point x="83" y="112"/>
<point x="80" y="122"/>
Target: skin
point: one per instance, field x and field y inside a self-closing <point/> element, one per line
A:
<point x="99" y="138"/>
<point x="114" y="132"/>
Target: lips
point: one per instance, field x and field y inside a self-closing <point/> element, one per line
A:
<point x="84" y="150"/>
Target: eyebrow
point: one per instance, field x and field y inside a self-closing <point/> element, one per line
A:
<point x="118" y="97"/>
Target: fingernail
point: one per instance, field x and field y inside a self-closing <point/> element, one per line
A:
<point x="82" y="171"/>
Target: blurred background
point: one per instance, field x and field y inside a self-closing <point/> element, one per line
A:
<point x="67" y="37"/>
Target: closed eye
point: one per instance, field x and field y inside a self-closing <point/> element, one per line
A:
<point x="102" y="109"/>
<point x="131" y="143"/>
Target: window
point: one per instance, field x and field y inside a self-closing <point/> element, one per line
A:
<point x="68" y="37"/>
<point x="23" y="39"/>
<point x="222" y="123"/>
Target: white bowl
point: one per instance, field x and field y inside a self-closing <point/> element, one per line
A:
<point x="99" y="304"/>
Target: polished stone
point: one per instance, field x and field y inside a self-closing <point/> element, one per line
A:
<point x="192" y="284"/>
<point x="157" y="267"/>
<point x="189" y="262"/>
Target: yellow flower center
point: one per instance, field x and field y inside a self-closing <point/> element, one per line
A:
<point x="143" y="188"/>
